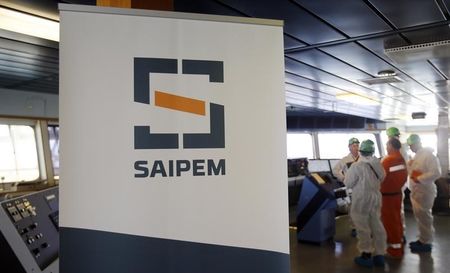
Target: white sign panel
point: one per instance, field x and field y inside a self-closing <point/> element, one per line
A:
<point x="172" y="131"/>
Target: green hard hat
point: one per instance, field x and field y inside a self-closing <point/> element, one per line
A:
<point x="353" y="140"/>
<point x="413" y="139"/>
<point x="392" y="132"/>
<point x="367" y="146"/>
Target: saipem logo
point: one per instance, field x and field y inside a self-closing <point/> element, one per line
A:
<point x="145" y="139"/>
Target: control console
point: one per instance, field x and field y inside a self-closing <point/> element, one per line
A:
<point x="29" y="232"/>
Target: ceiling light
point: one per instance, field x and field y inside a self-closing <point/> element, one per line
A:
<point x="357" y="99"/>
<point x="29" y="24"/>
<point x="418" y="115"/>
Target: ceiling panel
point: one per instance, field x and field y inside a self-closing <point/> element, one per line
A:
<point x="205" y="6"/>
<point x="310" y="84"/>
<point x="353" y="17"/>
<point x="325" y="62"/>
<point x="359" y="57"/>
<point x="420" y="70"/>
<point x="42" y="8"/>
<point x="15" y="76"/>
<point x="327" y="78"/>
<point x="290" y="43"/>
<point x="404" y="101"/>
<point x="309" y="92"/>
<point x="430" y="100"/>
<point x="443" y="65"/>
<point x="429" y="35"/>
<point x="363" y="59"/>
<point x="413" y="88"/>
<point x="297" y="22"/>
<point x="37" y="66"/>
<point x="407" y="13"/>
<point x="377" y="44"/>
<point x="306" y="100"/>
<point x="389" y="90"/>
<point x="313" y="76"/>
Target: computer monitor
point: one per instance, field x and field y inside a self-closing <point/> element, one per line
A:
<point x="333" y="162"/>
<point x="297" y="166"/>
<point x="318" y="166"/>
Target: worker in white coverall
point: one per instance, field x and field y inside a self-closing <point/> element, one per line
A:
<point x="341" y="168"/>
<point x="423" y="170"/>
<point x="364" y="178"/>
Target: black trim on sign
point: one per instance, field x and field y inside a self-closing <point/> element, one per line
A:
<point x="91" y="251"/>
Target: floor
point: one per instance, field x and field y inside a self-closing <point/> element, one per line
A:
<point x="337" y="256"/>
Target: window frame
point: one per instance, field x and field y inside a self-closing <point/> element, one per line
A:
<point x="46" y="178"/>
<point x="33" y="125"/>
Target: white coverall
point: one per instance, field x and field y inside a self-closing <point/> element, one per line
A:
<point x="366" y="203"/>
<point x="424" y="192"/>
<point x="340" y="169"/>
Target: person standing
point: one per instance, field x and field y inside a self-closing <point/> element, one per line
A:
<point x="340" y="169"/>
<point x="394" y="132"/>
<point x="391" y="190"/>
<point x="423" y="170"/>
<point x="364" y="178"/>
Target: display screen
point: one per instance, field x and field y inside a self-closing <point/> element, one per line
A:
<point x="297" y="166"/>
<point x="333" y="162"/>
<point x="318" y="165"/>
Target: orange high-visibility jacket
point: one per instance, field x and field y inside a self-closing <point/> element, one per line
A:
<point x="396" y="173"/>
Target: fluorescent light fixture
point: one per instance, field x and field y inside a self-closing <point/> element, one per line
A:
<point x="357" y="99"/>
<point x="28" y="24"/>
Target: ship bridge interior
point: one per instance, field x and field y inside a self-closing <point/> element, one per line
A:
<point x="381" y="60"/>
<point x="353" y="66"/>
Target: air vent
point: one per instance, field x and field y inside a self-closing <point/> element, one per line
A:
<point x="418" y="52"/>
<point x="382" y="80"/>
<point x="384" y="77"/>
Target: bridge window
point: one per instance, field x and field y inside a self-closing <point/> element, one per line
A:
<point x="428" y="140"/>
<point x="335" y="145"/>
<point x="53" y="137"/>
<point x="18" y="156"/>
<point x="299" y="145"/>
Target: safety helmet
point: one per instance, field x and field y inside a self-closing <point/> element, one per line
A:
<point x="367" y="146"/>
<point x="353" y="140"/>
<point x="392" y="132"/>
<point x="413" y="139"/>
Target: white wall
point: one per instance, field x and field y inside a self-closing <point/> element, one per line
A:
<point x="28" y="104"/>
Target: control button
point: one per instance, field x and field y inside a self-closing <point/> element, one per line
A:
<point x="30" y="240"/>
<point x="33" y="226"/>
<point x="21" y="207"/>
<point x="45" y="245"/>
<point x="17" y="218"/>
<point x="36" y="252"/>
<point x="39" y="236"/>
<point x="24" y="231"/>
<point x="31" y="210"/>
<point x="14" y="213"/>
<point x="12" y="210"/>
<point x="25" y="213"/>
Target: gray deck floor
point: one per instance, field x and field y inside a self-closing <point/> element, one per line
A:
<point x="338" y="256"/>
